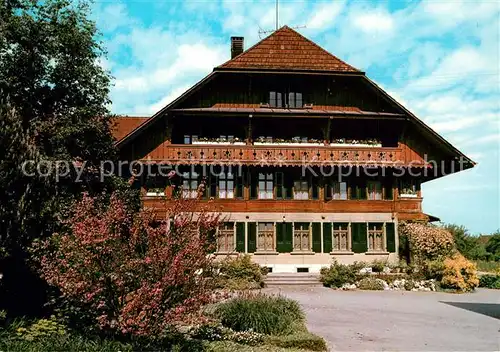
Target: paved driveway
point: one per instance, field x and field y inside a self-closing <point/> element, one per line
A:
<point x="401" y="321"/>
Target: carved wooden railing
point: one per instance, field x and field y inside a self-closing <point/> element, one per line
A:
<point x="275" y="155"/>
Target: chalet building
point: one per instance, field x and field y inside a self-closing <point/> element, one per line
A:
<point x="308" y="158"/>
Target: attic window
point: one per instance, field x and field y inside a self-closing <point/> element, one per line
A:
<point x="294" y="100"/>
<point x="275" y="100"/>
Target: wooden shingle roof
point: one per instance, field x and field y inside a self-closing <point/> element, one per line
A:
<point x="287" y="50"/>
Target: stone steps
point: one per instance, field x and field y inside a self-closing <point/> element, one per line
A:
<point x="292" y="279"/>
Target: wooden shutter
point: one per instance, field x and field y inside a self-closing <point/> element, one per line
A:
<point x="238" y="187"/>
<point x="388" y="190"/>
<point x="213" y="186"/>
<point x="280" y="192"/>
<point x="252" y="237"/>
<point x="288" y="186"/>
<point x="316" y="237"/>
<point x="280" y="238"/>
<point x="328" y="190"/>
<point x="359" y="237"/>
<point x="240" y="237"/>
<point x="253" y="181"/>
<point x="315" y="187"/>
<point x="288" y="237"/>
<point x="327" y="237"/>
<point x="390" y="234"/>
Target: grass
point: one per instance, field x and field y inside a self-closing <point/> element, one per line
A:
<point x="488" y="267"/>
<point x="228" y="346"/>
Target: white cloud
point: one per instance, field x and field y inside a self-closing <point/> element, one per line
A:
<point x="324" y="15"/>
<point x="380" y="21"/>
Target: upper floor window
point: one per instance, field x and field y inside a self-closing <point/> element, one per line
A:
<point x="294" y="100"/>
<point x="189" y="139"/>
<point x="301" y="189"/>
<point x="266" y="186"/>
<point x="281" y="100"/>
<point x="374" y="190"/>
<point x="226" y="186"/>
<point x="336" y="190"/>
<point x="190" y="185"/>
<point x="275" y="100"/>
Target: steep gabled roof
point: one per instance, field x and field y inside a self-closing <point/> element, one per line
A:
<point x="124" y="125"/>
<point x="287" y="50"/>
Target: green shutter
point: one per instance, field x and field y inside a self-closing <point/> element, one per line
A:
<point x="388" y="190"/>
<point x="316" y="237"/>
<point x="252" y="182"/>
<point x="240" y="237"/>
<point x="239" y="187"/>
<point x="359" y="240"/>
<point x="213" y="186"/>
<point x="327" y="237"/>
<point x="288" y="237"/>
<point x="252" y="237"/>
<point x="280" y="237"/>
<point x="390" y="234"/>
<point x="279" y="185"/>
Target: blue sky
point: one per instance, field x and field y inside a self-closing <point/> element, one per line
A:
<point x="438" y="58"/>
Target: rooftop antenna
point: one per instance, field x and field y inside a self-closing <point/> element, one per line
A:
<point x="277" y="14"/>
<point x="263" y="33"/>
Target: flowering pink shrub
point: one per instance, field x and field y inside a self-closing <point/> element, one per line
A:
<point x="139" y="274"/>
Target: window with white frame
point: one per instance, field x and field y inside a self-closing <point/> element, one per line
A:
<point x="295" y="100"/>
<point x="301" y="189"/>
<point x="339" y="190"/>
<point x="275" y="100"/>
<point x="226" y="186"/>
<point x="376" y="237"/>
<point x="266" y="185"/>
<point x="340" y="237"/>
<point x="225" y="237"/>
<point x="190" y="184"/>
<point x="189" y="139"/>
<point x="301" y="237"/>
<point x="374" y="190"/>
<point x="265" y="237"/>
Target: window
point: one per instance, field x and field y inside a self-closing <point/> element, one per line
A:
<point x="266" y="186"/>
<point x="301" y="190"/>
<point x="340" y="239"/>
<point x="190" y="185"/>
<point x="189" y="139"/>
<point x="301" y="237"/>
<point x="275" y="100"/>
<point x="338" y="190"/>
<point x="265" y="240"/>
<point x="225" y="238"/>
<point x="376" y="237"/>
<point x="226" y="186"/>
<point x="294" y="100"/>
<point x="226" y="138"/>
<point x="374" y="190"/>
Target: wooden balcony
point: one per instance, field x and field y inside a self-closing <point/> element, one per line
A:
<point x="277" y="155"/>
<point x="412" y="208"/>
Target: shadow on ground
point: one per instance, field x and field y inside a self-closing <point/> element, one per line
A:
<point x="489" y="309"/>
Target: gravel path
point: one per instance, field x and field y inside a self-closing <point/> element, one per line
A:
<point x="401" y="321"/>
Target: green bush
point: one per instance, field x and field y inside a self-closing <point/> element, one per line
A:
<point x="337" y="274"/>
<point x="301" y="340"/>
<point x="371" y="283"/>
<point x="378" y="265"/>
<point x="433" y="269"/>
<point x="239" y="273"/>
<point x="41" y="329"/>
<point x="271" y="315"/>
<point x="490" y="281"/>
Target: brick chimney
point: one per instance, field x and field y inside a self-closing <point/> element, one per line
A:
<point x="236" y="46"/>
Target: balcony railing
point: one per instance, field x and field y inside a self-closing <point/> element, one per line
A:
<point x="274" y="154"/>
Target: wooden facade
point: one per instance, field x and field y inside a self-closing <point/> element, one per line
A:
<point x="311" y="156"/>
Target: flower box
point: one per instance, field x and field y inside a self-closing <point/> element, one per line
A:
<point x="218" y="143"/>
<point x="407" y="195"/>
<point x="362" y="145"/>
<point x="155" y="194"/>
<point x="305" y="144"/>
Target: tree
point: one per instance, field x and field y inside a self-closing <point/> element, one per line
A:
<point x="54" y="97"/>
<point x="493" y="245"/>
<point x="466" y="244"/>
<point x="138" y="274"/>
